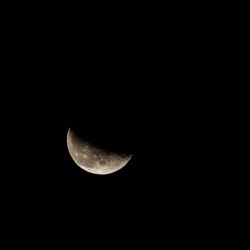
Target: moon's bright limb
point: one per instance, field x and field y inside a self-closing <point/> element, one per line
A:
<point x="93" y="159"/>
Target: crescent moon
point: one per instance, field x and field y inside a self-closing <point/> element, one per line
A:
<point x="93" y="159"/>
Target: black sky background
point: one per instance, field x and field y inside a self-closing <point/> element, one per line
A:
<point x="143" y="91"/>
<point x="122" y="105"/>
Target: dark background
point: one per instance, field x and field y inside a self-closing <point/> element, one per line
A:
<point x="144" y="90"/>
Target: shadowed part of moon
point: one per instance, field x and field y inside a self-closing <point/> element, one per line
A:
<point x="93" y="159"/>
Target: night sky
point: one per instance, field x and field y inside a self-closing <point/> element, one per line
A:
<point x="139" y="96"/>
<point x="149" y="121"/>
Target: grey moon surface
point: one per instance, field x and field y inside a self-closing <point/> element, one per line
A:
<point x="93" y="159"/>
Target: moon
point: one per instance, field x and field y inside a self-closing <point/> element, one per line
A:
<point x="93" y="159"/>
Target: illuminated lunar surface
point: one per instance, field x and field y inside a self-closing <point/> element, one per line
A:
<point x="93" y="159"/>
